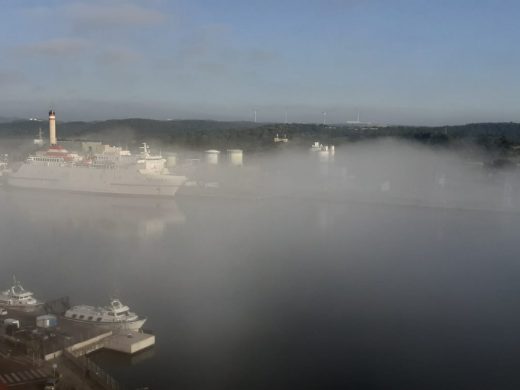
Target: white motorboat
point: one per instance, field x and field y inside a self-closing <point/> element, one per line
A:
<point x="18" y="298"/>
<point x="115" y="316"/>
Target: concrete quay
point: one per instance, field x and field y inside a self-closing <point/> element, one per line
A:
<point x="28" y="354"/>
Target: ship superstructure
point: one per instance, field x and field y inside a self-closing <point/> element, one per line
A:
<point x="114" y="171"/>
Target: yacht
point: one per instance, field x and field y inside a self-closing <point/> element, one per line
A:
<point x="114" y="316"/>
<point x="18" y="298"/>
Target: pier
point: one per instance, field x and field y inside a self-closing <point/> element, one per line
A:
<point x="68" y="344"/>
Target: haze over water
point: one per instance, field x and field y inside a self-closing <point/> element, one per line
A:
<point x="381" y="265"/>
<point x="284" y="292"/>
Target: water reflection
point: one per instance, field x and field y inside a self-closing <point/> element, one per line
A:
<point x="117" y="216"/>
<point x="283" y="294"/>
<point x="118" y="361"/>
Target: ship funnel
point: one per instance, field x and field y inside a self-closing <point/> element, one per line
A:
<point x="52" y="128"/>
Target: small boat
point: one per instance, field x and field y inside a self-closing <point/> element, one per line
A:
<point x="115" y="316"/>
<point x="17" y="298"/>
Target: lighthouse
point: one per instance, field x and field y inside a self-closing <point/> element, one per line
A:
<point x="52" y="128"/>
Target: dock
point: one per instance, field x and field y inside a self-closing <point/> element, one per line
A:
<point x="129" y="342"/>
<point x="124" y="341"/>
<point x="69" y="342"/>
<point x="75" y="337"/>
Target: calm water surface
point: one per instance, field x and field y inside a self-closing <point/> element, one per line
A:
<point x="283" y="294"/>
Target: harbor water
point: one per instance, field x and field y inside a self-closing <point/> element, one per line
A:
<point x="277" y="294"/>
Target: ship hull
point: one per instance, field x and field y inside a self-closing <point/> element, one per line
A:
<point x="127" y="326"/>
<point x="118" y="181"/>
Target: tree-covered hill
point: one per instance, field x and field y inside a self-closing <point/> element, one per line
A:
<point x="199" y="134"/>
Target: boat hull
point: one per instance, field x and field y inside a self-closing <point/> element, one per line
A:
<point x="116" y="326"/>
<point x="118" y="181"/>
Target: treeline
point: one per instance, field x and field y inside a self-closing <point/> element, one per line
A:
<point x="199" y="134"/>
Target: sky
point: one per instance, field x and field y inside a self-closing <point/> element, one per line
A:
<point x="395" y="62"/>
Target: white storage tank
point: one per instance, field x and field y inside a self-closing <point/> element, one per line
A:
<point x="171" y="160"/>
<point x="46" y="321"/>
<point x="212" y="156"/>
<point x="235" y="157"/>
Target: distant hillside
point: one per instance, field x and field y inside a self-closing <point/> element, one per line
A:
<point x="4" y="119"/>
<point x="198" y="134"/>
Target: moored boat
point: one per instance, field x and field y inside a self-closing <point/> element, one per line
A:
<point x="114" y="316"/>
<point x="17" y="298"/>
<point x="113" y="172"/>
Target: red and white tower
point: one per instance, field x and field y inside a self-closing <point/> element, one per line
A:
<point x="52" y="128"/>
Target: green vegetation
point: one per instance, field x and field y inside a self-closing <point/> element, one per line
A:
<point x="501" y="138"/>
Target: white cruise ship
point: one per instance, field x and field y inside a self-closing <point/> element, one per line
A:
<point x="115" y="316"/>
<point x="57" y="169"/>
<point x="18" y="298"/>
